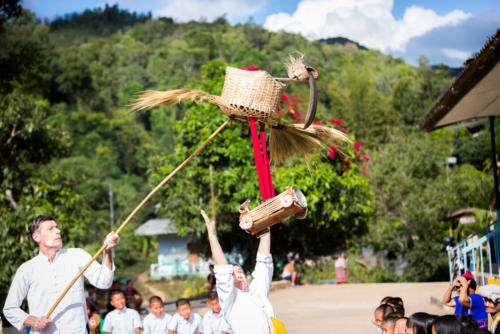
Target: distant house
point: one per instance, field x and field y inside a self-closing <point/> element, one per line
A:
<point x="176" y="255"/>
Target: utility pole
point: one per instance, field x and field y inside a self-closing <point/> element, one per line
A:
<point x="111" y="215"/>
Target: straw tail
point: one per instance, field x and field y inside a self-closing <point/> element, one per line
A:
<point x="290" y="139"/>
<point x="152" y="98"/>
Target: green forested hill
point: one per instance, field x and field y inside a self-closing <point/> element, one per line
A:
<point x="66" y="134"/>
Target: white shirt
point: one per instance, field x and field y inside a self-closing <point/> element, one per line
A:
<point x="122" y="322"/>
<point x="156" y="325"/>
<point x="182" y="326"/>
<point x="247" y="312"/>
<point x="340" y="262"/>
<point x="215" y="323"/>
<point x="43" y="282"/>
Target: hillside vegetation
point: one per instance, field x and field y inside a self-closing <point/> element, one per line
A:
<point x="66" y="133"/>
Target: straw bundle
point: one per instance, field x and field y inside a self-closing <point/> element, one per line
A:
<point x="151" y="98"/>
<point x="287" y="140"/>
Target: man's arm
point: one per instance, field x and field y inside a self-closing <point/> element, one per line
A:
<point x="447" y="300"/>
<point x="464" y="298"/>
<point x="137" y="331"/>
<point x="110" y="241"/>
<point x="170" y="331"/>
<point x="217" y="253"/>
<point x="12" y="309"/>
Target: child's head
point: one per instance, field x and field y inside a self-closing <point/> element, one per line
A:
<point x="156" y="306"/>
<point x="130" y="284"/>
<point x="447" y="324"/>
<point x="213" y="301"/>
<point x="183" y="307"/>
<point x="388" y="324"/>
<point x="117" y="299"/>
<point x="239" y="278"/>
<point x="400" y="326"/>
<point x="90" y="309"/>
<point x="211" y="267"/>
<point x="420" y="323"/>
<point x="385" y="299"/>
<point x="381" y="312"/>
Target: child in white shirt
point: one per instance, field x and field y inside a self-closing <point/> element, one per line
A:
<point x="184" y="321"/>
<point x="156" y="322"/>
<point x="122" y="320"/>
<point x="213" y="320"/>
<point x="246" y="307"/>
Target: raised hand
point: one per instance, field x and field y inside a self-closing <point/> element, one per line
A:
<point x="209" y="223"/>
<point x="111" y="240"/>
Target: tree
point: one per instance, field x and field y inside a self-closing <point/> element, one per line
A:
<point x="340" y="202"/>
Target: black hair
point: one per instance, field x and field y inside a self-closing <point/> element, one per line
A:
<point x="472" y="284"/>
<point x="115" y="292"/>
<point x="385" y="299"/>
<point x="420" y="323"/>
<point x="395" y="301"/>
<point x="182" y="301"/>
<point x="212" y="295"/>
<point x="390" y="319"/>
<point x="385" y="309"/>
<point x="37" y="221"/>
<point x="448" y="324"/>
<point x="155" y="298"/>
<point x="467" y="322"/>
<point x="211" y="265"/>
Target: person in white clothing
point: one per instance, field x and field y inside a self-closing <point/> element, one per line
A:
<point x="184" y="321"/>
<point x="43" y="278"/>
<point x="246" y="307"/>
<point x="122" y="320"/>
<point x="213" y="320"/>
<point x="156" y="322"/>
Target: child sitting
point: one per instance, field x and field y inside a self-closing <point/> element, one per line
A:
<point x="156" y="322"/>
<point x="122" y="319"/>
<point x="381" y="312"/>
<point x="185" y="322"/>
<point x="213" y="320"/>
<point x="95" y="320"/>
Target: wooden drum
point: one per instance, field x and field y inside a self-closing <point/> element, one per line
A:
<point x="274" y="210"/>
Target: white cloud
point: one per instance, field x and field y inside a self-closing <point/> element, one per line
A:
<point x="456" y="54"/>
<point x="186" y="10"/>
<point x="369" y="22"/>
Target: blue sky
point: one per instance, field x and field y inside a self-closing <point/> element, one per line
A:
<point x="445" y="31"/>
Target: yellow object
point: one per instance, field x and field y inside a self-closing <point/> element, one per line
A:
<point x="491" y="280"/>
<point x="498" y="281"/>
<point x="278" y="326"/>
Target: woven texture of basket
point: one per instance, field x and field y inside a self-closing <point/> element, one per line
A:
<point x="251" y="93"/>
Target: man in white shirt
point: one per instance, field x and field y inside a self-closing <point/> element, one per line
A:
<point x="213" y="320"/>
<point x="246" y="307"/>
<point x="43" y="278"/>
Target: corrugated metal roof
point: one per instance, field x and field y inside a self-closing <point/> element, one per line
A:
<point x="157" y="227"/>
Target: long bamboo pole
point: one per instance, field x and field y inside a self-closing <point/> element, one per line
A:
<point x="122" y="226"/>
<point x="212" y="193"/>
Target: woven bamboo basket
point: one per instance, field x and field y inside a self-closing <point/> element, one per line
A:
<point x="251" y="93"/>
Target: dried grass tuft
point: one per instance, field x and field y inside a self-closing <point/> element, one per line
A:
<point x="288" y="140"/>
<point x="150" y="99"/>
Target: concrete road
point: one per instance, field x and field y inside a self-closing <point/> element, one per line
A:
<point x="343" y="309"/>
